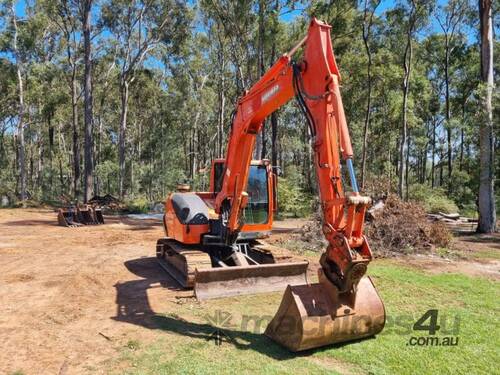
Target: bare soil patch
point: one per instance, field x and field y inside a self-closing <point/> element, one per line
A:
<point x="62" y="289"/>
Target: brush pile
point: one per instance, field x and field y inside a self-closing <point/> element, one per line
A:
<point x="311" y="234"/>
<point x="403" y="227"/>
<point x="107" y="201"/>
<point x="393" y="227"/>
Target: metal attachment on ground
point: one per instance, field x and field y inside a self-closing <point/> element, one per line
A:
<point x="79" y="216"/>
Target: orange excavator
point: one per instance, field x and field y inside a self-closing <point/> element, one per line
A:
<point x="211" y="227"/>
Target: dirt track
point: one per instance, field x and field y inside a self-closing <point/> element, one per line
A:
<point x="62" y="290"/>
<point x="73" y="297"/>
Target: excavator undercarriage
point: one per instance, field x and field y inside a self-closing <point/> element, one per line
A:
<point x="217" y="272"/>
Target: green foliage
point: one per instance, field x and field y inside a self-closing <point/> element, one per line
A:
<point x="185" y="77"/>
<point x="293" y="201"/>
<point x="139" y="205"/>
<point x="463" y="188"/>
<point x="433" y="199"/>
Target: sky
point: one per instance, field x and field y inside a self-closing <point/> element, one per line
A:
<point x="290" y="15"/>
<point x="287" y="17"/>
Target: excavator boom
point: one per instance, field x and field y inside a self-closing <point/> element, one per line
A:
<point x="314" y="81"/>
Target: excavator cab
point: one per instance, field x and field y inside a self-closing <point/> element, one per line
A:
<point x="261" y="190"/>
<point x="195" y="254"/>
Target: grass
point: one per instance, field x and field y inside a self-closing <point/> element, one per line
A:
<point x="183" y="345"/>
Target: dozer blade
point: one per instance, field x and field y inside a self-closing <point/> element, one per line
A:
<point x="237" y="280"/>
<point x="315" y="315"/>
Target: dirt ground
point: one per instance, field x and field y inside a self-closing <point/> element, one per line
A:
<point x="72" y="297"/>
<point x="59" y="289"/>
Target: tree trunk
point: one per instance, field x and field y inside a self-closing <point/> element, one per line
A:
<point x="221" y="95"/>
<point x="20" y="121"/>
<point x="274" y="138"/>
<point x="220" y="121"/>
<point x="367" y="23"/>
<point x="461" y="165"/>
<point x="407" y="167"/>
<point x="124" y="93"/>
<point x="424" y="164"/>
<point x="39" y="168"/>
<point x="448" y="113"/>
<point x="486" y="201"/>
<point x="195" y="145"/>
<point x="433" y="160"/>
<point x="88" y="147"/>
<point x="76" y="143"/>
<point x="403" y="147"/>
<point x="259" y="142"/>
<point x="441" y="162"/>
<point x="367" y="124"/>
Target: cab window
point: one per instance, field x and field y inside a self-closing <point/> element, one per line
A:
<point x="257" y="209"/>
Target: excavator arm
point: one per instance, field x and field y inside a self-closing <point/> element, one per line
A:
<point x="315" y="83"/>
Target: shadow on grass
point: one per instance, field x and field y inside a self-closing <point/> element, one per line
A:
<point x="241" y="340"/>
<point x="133" y="307"/>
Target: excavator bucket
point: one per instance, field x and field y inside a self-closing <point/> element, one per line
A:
<point x="315" y="315"/>
<point x="68" y="218"/>
<point x="237" y="280"/>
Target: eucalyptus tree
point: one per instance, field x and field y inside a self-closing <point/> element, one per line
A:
<point x="486" y="200"/>
<point x="407" y="18"/>
<point x="86" y="10"/>
<point x="138" y="27"/>
<point x="66" y="15"/>
<point x="370" y="6"/>
<point x="19" y="59"/>
<point x="451" y="18"/>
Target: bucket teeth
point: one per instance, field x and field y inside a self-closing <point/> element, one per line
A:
<point x="311" y="316"/>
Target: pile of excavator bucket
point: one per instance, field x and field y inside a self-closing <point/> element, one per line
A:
<point x="77" y="216"/>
